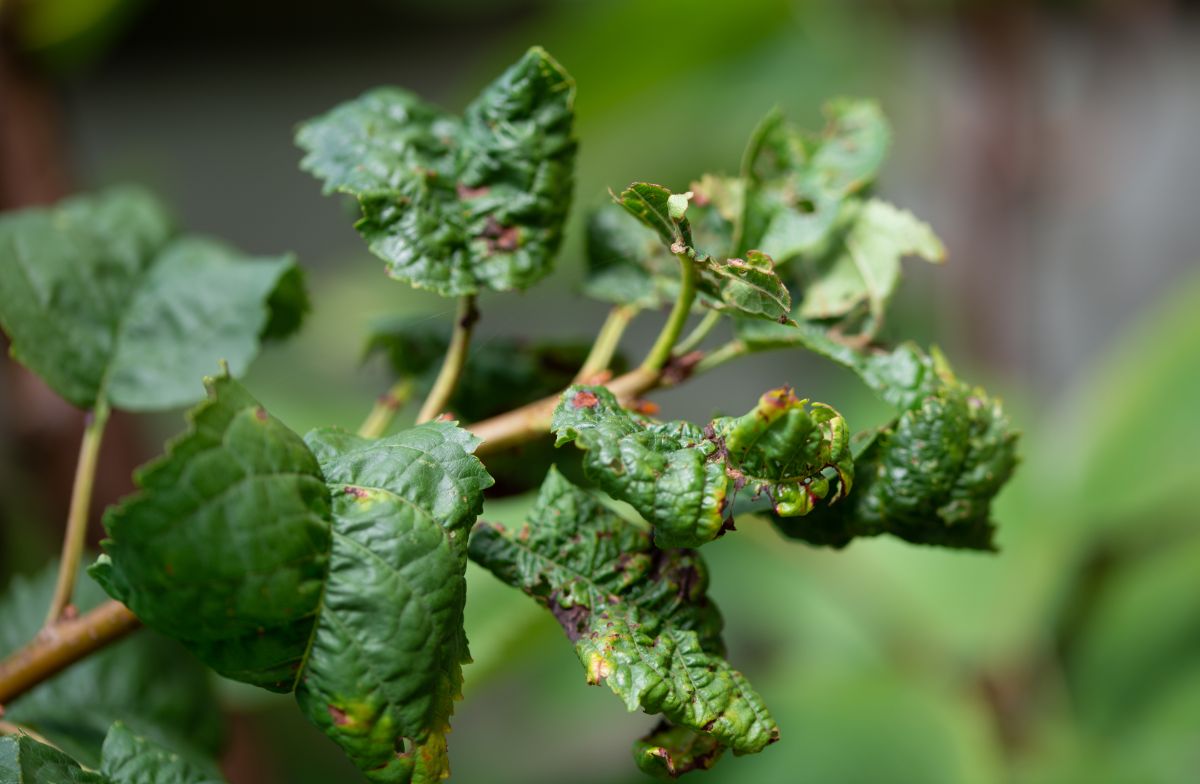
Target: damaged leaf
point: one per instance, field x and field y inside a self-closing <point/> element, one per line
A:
<point x="670" y="751"/>
<point x="794" y="454"/>
<point x="103" y="298"/>
<point x="901" y="376"/>
<point x="795" y="183"/>
<point x="860" y="265"/>
<point x="930" y="476"/>
<point x="627" y="266"/>
<point x="385" y="661"/>
<point x="639" y="616"/>
<point x="457" y="205"/>
<point x="682" y="478"/>
<point x="332" y="567"/>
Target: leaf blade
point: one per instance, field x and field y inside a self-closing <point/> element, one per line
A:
<point x="639" y="616"/>
<point x="200" y="586"/>
<point x="455" y="206"/>
<point x="102" y="300"/>
<point x="385" y="662"/>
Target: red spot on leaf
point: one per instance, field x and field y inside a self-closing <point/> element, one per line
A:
<point x="500" y="238"/>
<point x="585" y="399"/>
<point x="357" y="492"/>
<point x="260" y="414"/>
<point x="339" y="716"/>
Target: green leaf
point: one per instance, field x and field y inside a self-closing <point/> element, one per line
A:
<point x="652" y="205"/>
<point x="104" y="301"/>
<point x="861" y="264"/>
<point x="332" y="567"/>
<point x="24" y="760"/>
<point x="625" y="268"/>
<point x="902" y="376"/>
<point x="796" y="183"/>
<point x="455" y="206"/>
<point x="175" y="706"/>
<point x="788" y="452"/>
<point x="226" y="546"/>
<point x="853" y="146"/>
<point x="385" y="662"/>
<point x="749" y="287"/>
<point x="928" y="478"/>
<point x="639" y="616"/>
<point x="683" y="479"/>
<point x="626" y="263"/>
<point x="127" y="759"/>
<point x="670" y="751"/>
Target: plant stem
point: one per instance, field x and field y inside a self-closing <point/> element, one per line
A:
<point x="376" y="423"/>
<point x="531" y="420"/>
<point x="661" y="352"/>
<point x="729" y="351"/>
<point x="697" y="335"/>
<point x="452" y="366"/>
<point x="77" y="517"/>
<point x="62" y="644"/>
<point x="607" y="340"/>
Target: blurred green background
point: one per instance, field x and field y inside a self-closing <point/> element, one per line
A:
<point x="1051" y="144"/>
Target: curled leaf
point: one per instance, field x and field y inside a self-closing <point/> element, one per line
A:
<point x="928" y="478"/>
<point x="639" y="616"/>
<point x="683" y="479"/>
<point x="669" y="751"/>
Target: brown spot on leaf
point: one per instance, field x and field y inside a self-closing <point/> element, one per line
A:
<point x="339" y="716"/>
<point x="357" y="492"/>
<point x="572" y="619"/>
<point x="585" y="399"/>
<point x="500" y="238"/>
<point x="260" y="414"/>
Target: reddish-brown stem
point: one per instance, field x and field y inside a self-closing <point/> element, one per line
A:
<point x="60" y="645"/>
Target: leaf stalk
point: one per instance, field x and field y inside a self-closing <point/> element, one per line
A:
<point x="661" y="351"/>
<point x="607" y="341"/>
<point x="385" y="409"/>
<point x="697" y="335"/>
<point x="77" y="516"/>
<point x="456" y="358"/>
